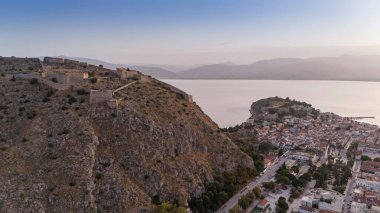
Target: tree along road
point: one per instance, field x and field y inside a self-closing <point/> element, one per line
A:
<point x="266" y="176"/>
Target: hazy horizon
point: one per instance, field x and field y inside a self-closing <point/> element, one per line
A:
<point x="174" y="64"/>
<point x="189" y="32"/>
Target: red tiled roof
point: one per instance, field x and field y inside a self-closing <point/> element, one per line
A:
<point x="360" y="199"/>
<point x="263" y="202"/>
<point x="307" y="208"/>
<point x="370" y="166"/>
<point x="376" y="202"/>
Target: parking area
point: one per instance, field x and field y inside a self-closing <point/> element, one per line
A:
<point x="273" y="197"/>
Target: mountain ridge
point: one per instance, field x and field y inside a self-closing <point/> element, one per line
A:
<point x="341" y="68"/>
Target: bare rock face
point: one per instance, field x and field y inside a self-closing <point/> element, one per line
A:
<point x="59" y="153"/>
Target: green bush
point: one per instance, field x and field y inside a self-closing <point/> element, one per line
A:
<point x="31" y="114"/>
<point x="217" y="193"/>
<point x="93" y="80"/>
<point x="365" y="158"/>
<point x="269" y="185"/>
<point x="71" y="100"/>
<point x="82" y="92"/>
<point x="281" y="205"/>
<point x="98" y="175"/>
<point x="34" y="81"/>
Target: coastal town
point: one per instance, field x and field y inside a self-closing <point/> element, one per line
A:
<point x="329" y="163"/>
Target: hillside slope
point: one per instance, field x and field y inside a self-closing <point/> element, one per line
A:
<point x="59" y="153"/>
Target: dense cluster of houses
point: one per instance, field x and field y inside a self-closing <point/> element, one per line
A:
<point x="366" y="192"/>
<point x="327" y="129"/>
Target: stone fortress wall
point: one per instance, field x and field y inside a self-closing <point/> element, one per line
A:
<point x="59" y="77"/>
<point x="64" y="63"/>
<point x="63" y="74"/>
<point x="132" y="74"/>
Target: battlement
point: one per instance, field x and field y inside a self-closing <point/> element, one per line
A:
<point x="125" y="73"/>
<point x="64" y="63"/>
<point x="51" y="60"/>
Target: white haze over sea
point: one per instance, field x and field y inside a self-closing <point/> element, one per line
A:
<point x="227" y="102"/>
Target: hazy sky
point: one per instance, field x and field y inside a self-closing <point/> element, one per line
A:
<point x="189" y="31"/>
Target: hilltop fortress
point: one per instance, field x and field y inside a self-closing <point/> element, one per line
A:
<point x="75" y="137"/>
<point x="63" y="74"/>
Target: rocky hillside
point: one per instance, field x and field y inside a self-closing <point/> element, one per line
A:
<point x="59" y="153"/>
<point x="275" y="109"/>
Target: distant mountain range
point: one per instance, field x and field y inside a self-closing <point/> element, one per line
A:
<point x="346" y="67"/>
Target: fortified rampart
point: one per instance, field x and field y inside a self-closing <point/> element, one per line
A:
<point x="53" y="61"/>
<point x="65" y="76"/>
<point x="126" y="73"/>
<point x="64" y="63"/>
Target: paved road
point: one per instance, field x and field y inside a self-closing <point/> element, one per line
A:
<point x="268" y="174"/>
<point x="343" y="153"/>
<point x="350" y="185"/>
<point x="348" y="195"/>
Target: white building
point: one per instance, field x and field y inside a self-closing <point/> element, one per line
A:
<point x="327" y="201"/>
<point x="304" y="156"/>
<point x="370" y="185"/>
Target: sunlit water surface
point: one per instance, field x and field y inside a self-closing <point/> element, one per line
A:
<point x="227" y="102"/>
